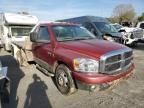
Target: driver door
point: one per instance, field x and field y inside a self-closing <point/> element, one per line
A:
<point x="43" y="48"/>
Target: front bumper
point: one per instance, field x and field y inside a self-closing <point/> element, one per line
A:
<point x="103" y="81"/>
<point x="129" y="41"/>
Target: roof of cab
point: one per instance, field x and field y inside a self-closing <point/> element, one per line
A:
<point x="83" y="19"/>
<point x="54" y="23"/>
<point x="51" y="23"/>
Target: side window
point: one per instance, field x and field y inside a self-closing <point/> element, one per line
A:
<point x="91" y="28"/>
<point x="142" y="25"/>
<point x="43" y="34"/>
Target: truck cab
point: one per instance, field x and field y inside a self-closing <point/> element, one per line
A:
<point x="15" y="28"/>
<point x="77" y="59"/>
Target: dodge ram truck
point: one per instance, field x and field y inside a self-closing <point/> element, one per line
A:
<point x="76" y="59"/>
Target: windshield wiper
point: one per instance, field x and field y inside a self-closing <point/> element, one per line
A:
<point x="66" y="39"/>
<point x="83" y="38"/>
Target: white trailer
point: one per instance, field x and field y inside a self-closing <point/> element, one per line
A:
<point x="15" y="28"/>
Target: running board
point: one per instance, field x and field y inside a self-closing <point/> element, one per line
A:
<point x="44" y="71"/>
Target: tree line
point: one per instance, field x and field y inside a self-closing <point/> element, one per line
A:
<point x="125" y="13"/>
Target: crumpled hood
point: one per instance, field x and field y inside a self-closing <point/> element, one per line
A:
<point x="117" y="35"/>
<point x="130" y="29"/>
<point x="93" y="48"/>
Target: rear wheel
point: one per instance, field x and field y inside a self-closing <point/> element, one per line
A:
<point x="64" y="80"/>
<point x="4" y="47"/>
<point x="133" y="45"/>
<point x="19" y="58"/>
<point x="12" y="50"/>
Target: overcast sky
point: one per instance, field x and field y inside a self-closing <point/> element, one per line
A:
<point x="60" y="9"/>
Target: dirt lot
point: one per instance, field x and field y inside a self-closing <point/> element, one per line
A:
<point x="32" y="89"/>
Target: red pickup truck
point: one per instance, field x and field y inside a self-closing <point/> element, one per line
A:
<point x="77" y="59"/>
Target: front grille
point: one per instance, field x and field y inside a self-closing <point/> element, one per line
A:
<point x="127" y="62"/>
<point x="128" y="54"/>
<point x="113" y="58"/>
<point x="112" y="67"/>
<point x="138" y="34"/>
<point x="116" y="61"/>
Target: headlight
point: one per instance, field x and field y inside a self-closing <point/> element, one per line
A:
<point x="126" y="35"/>
<point x="109" y="38"/>
<point x="86" y="65"/>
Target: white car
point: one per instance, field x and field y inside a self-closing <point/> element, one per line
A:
<point x="131" y="35"/>
<point x="140" y="25"/>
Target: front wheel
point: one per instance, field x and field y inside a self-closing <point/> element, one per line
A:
<point x="64" y="80"/>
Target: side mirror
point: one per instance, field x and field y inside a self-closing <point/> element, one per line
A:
<point x="33" y="36"/>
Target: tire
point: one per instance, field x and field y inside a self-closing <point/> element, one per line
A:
<point x="19" y="58"/>
<point x="133" y="45"/>
<point x="64" y="80"/>
<point x="4" y="47"/>
<point x="12" y="50"/>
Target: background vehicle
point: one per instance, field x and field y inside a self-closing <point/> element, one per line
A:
<point x="15" y="27"/>
<point x="99" y="26"/>
<point x="76" y="59"/>
<point x="131" y="35"/>
<point x="141" y="25"/>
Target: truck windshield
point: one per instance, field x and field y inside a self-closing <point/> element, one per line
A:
<point x="105" y="27"/>
<point x="20" y="31"/>
<point x="71" y="32"/>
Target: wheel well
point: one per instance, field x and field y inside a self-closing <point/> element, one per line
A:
<point x="58" y="63"/>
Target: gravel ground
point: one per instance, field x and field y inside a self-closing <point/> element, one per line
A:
<point x="32" y="89"/>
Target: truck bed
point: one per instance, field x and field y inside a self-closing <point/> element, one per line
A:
<point x="19" y="44"/>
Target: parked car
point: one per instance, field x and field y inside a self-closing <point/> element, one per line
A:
<point x="141" y="25"/>
<point x="99" y="26"/>
<point x="131" y="35"/>
<point x="76" y="59"/>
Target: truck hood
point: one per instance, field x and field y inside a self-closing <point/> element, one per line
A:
<point x="130" y="29"/>
<point x="92" y="48"/>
